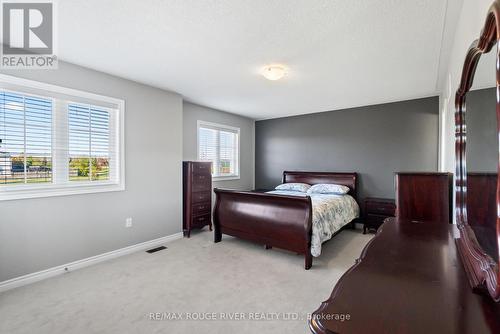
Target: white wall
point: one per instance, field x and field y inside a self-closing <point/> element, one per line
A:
<point x="193" y="112"/>
<point x="468" y="28"/>
<point x="37" y="234"/>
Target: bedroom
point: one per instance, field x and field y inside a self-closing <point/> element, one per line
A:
<point x="108" y="107"/>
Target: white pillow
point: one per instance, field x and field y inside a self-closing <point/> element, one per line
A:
<point x="325" y="188"/>
<point x="300" y="187"/>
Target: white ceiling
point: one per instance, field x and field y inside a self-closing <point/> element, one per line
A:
<point x="341" y="53"/>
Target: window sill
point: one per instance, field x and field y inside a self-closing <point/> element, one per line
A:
<point x="30" y="191"/>
<point x="225" y="178"/>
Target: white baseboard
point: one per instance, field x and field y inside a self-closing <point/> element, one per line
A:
<point x="54" y="271"/>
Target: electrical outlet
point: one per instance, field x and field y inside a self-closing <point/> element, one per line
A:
<point x="128" y="222"/>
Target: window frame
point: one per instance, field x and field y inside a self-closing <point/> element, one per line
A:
<point x="56" y="188"/>
<point x="217" y="126"/>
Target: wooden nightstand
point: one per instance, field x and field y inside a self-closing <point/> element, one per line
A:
<point x="376" y="211"/>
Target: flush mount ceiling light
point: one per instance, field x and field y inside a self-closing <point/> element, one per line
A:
<point x="274" y="72"/>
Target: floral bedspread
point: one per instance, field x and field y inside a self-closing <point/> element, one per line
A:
<point x="330" y="214"/>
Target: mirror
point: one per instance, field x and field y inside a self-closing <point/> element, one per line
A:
<point x="482" y="154"/>
<point x="477" y="160"/>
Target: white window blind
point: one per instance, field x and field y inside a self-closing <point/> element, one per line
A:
<point x="26" y="139"/>
<point x="219" y="144"/>
<point x="90" y="150"/>
<point x="56" y="141"/>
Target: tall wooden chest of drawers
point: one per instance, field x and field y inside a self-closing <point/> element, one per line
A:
<point x="424" y="197"/>
<point x="197" y="195"/>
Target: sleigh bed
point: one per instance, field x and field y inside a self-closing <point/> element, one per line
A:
<point x="280" y="220"/>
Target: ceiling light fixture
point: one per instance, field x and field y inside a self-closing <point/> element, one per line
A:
<point x="274" y="72"/>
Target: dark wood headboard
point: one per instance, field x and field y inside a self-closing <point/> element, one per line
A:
<point x="345" y="179"/>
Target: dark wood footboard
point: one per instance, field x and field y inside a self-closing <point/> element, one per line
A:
<point x="272" y="220"/>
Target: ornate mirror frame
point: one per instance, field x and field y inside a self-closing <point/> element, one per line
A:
<point x="483" y="272"/>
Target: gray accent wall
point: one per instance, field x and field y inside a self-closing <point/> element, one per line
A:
<point x="37" y="234"/>
<point x="193" y="113"/>
<point x="374" y="141"/>
<point x="482" y="132"/>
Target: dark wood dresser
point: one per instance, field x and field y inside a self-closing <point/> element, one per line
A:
<point x="425" y="197"/>
<point x="376" y="211"/>
<point x="408" y="280"/>
<point x="197" y="195"/>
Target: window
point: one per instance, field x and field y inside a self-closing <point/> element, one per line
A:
<point x="89" y="153"/>
<point x="58" y="141"/>
<point x="26" y="139"/>
<point x="220" y="144"/>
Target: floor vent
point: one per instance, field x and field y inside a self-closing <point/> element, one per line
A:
<point x="157" y="249"/>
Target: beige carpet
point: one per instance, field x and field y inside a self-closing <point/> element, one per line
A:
<point x="230" y="279"/>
